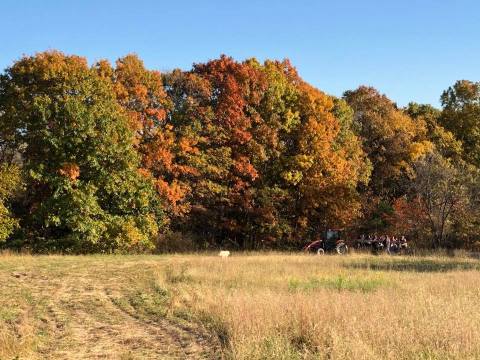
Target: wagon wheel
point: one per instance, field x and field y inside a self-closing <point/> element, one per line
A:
<point x="342" y="249"/>
<point x="320" y="251"/>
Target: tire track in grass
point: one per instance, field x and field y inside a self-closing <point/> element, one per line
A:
<point x="82" y="321"/>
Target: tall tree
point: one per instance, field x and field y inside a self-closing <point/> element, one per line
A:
<point x="84" y="191"/>
<point x="273" y="159"/>
<point x="461" y="116"/>
<point x="443" y="188"/>
<point x="331" y="161"/>
<point x="390" y="138"/>
<point x="142" y="94"/>
<point x="234" y="91"/>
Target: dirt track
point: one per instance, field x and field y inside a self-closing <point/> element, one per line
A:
<point x="81" y="318"/>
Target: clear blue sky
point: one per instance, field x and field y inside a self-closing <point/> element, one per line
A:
<point x="410" y="50"/>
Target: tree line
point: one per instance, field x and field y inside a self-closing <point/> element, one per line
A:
<point x="121" y="158"/>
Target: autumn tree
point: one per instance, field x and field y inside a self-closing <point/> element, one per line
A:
<point x="331" y="161"/>
<point x="240" y="153"/>
<point x="162" y="149"/>
<point x="461" y="116"/>
<point x="195" y="168"/>
<point x="443" y="188"/>
<point x="84" y="191"/>
<point x="392" y="140"/>
<point x="409" y="217"/>
<point x="273" y="162"/>
<point x="427" y="117"/>
<point x="214" y="110"/>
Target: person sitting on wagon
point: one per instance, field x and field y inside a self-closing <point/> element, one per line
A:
<point x="394" y="241"/>
<point x="383" y="240"/>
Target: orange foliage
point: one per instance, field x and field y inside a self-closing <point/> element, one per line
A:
<point x="245" y="168"/>
<point x="70" y="170"/>
<point x="174" y="194"/>
<point x="407" y="215"/>
<point x="142" y="94"/>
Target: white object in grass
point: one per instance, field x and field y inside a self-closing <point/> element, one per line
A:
<point x="224" y="253"/>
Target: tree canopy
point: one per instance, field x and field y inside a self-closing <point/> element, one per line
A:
<point x="84" y="190"/>
<point x="244" y="154"/>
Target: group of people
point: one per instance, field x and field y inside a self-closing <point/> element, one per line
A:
<point x="387" y="242"/>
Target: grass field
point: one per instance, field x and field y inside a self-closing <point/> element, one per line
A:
<point x="250" y="306"/>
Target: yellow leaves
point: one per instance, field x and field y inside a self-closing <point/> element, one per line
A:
<point x="10" y="180"/>
<point x="316" y="99"/>
<point x="303" y="161"/>
<point x="51" y="64"/>
<point x="302" y="221"/>
<point x="7" y="223"/>
<point x="446" y="142"/>
<point x="292" y="119"/>
<point x="419" y="149"/>
<point x="292" y="177"/>
<point x="135" y="235"/>
<point x="10" y="184"/>
<point x="401" y="123"/>
<point x="129" y="234"/>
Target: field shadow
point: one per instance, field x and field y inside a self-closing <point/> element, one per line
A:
<point x="420" y="265"/>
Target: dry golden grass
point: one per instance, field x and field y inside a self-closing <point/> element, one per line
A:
<point x="255" y="306"/>
<point x="59" y="307"/>
<point x="358" y="307"/>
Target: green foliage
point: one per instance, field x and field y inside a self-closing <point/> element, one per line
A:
<point x="84" y="190"/>
<point x="10" y="183"/>
<point x="339" y="283"/>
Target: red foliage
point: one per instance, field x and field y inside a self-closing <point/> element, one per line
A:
<point x="407" y="215"/>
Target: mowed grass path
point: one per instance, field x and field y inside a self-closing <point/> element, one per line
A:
<point x="249" y="306"/>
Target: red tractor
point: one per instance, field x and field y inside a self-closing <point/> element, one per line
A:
<point x="331" y="240"/>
